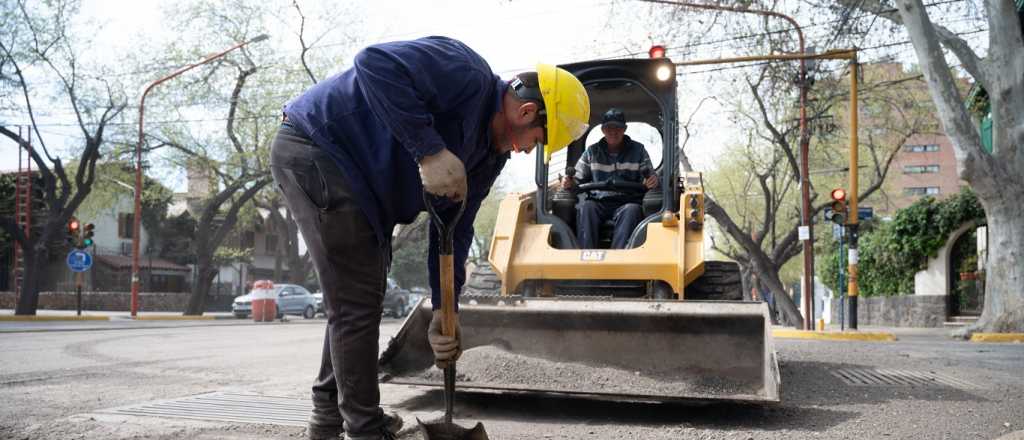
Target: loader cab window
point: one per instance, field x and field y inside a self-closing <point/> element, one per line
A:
<point x="637" y="131"/>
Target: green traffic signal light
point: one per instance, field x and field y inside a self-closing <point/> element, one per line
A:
<point x="87" y="235"/>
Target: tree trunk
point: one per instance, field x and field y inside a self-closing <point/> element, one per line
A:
<point x="769" y="277"/>
<point x="201" y="289"/>
<point x="279" y="265"/>
<point x="1004" y="272"/>
<point x="35" y="262"/>
<point x="745" y="271"/>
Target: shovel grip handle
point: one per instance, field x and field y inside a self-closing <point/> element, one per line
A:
<point x="448" y="317"/>
<point x="446" y="261"/>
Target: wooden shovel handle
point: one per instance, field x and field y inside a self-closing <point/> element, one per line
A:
<point x="448" y="317"/>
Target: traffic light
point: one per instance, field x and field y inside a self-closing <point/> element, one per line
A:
<point x="656" y="51"/>
<point x="839" y="209"/>
<point x="87" y="234"/>
<point x="73" y="231"/>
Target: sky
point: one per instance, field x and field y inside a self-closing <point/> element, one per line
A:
<point x="511" y="35"/>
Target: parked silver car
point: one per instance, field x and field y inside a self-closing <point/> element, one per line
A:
<point x="291" y="299"/>
<point x="319" y="296"/>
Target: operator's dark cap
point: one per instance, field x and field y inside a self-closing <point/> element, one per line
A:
<point x="614" y="118"/>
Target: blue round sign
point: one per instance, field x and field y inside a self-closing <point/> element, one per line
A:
<point x="79" y="260"/>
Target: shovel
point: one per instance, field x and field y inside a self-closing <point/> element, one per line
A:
<point x="446" y="430"/>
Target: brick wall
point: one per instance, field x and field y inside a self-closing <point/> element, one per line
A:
<point x="901" y="311"/>
<point x="118" y="301"/>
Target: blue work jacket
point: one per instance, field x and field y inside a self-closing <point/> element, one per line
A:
<point x="400" y="102"/>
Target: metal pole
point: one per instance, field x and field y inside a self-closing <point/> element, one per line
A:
<point x="18" y="267"/>
<point x="842" y="298"/>
<point x="137" y="217"/>
<point x="853" y="218"/>
<point x="78" y="291"/>
<point x="805" y="198"/>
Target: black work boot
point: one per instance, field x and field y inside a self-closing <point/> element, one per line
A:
<point x="325" y="423"/>
<point x="390" y="431"/>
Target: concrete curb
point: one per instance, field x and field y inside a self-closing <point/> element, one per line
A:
<point x="833" y="335"/>
<point x="54" y="318"/>
<point x="175" y="318"/>
<point x="997" y="337"/>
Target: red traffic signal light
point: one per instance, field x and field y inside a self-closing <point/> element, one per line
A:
<point x="839" y="213"/>
<point x="73" y="225"/>
<point x="656" y="51"/>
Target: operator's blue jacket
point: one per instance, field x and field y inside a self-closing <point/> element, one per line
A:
<point x="400" y="102"/>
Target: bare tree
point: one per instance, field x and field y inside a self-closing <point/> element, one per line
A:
<point x="39" y="35"/>
<point x="763" y="234"/>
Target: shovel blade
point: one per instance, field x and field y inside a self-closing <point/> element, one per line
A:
<point x="451" y="431"/>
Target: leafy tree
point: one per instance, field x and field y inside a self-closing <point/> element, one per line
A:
<point x="483" y="225"/>
<point x="41" y="52"/>
<point x="409" y="261"/>
<point x="109" y="191"/>
<point x="235" y="159"/>
<point x="892" y="252"/>
<point x="177" y="236"/>
<point x="309" y="32"/>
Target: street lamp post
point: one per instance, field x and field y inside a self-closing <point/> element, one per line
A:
<point x="137" y="217"/>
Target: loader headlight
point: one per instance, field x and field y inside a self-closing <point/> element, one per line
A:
<point x="663" y="73"/>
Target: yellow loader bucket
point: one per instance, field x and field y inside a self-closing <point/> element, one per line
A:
<point x="599" y="348"/>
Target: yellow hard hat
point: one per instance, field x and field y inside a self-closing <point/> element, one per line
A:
<point x="567" y="106"/>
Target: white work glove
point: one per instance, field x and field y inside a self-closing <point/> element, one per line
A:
<point x="446" y="348"/>
<point x="443" y="174"/>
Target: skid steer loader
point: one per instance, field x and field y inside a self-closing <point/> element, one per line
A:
<point x="652" y="322"/>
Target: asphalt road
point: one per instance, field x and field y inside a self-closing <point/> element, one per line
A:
<point x="60" y="381"/>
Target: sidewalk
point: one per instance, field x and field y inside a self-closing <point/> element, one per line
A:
<point x="67" y="320"/>
<point x="93" y="315"/>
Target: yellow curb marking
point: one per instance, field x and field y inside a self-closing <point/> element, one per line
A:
<point x="997" y="337"/>
<point x="833" y="336"/>
<point x="53" y="318"/>
<point x="172" y="317"/>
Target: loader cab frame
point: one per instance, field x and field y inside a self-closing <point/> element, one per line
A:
<point x="645" y="89"/>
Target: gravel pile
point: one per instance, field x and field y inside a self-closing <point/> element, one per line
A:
<point x="490" y="365"/>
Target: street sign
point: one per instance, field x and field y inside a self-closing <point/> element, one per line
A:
<point x="79" y="260"/>
<point x="863" y="213"/>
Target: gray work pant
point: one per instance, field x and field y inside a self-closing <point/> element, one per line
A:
<point x="352" y="267"/>
<point x="594" y="212"/>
